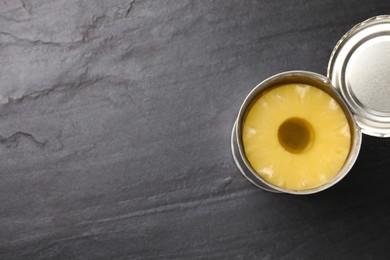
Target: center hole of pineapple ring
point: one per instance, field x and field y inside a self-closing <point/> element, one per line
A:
<point x="296" y="135"/>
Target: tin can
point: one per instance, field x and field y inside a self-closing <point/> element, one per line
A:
<point x="357" y="79"/>
<point x="295" y="77"/>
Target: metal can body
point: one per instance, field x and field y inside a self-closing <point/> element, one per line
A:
<point x="298" y="77"/>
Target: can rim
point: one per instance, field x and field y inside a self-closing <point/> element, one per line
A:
<point x="272" y="81"/>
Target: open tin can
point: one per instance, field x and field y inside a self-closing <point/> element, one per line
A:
<point x="358" y="78"/>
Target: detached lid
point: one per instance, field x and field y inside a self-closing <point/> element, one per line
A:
<point x="359" y="68"/>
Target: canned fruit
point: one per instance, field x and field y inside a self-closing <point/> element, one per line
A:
<point x="296" y="136"/>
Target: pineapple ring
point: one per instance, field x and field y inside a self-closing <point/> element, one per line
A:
<point x="296" y="136"/>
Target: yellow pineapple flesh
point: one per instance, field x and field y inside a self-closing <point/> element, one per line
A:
<point x="296" y="136"/>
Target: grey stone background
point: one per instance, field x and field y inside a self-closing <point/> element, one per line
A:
<point x="115" y="120"/>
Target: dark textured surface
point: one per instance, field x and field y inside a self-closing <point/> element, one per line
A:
<point x="115" y="121"/>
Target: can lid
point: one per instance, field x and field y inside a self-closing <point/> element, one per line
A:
<point x="359" y="68"/>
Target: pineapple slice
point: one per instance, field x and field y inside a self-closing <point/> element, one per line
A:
<point x="296" y="136"/>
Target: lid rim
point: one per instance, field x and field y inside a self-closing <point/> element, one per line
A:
<point x="371" y="120"/>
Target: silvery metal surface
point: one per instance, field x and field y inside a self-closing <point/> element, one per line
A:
<point x="359" y="68"/>
<point x="302" y="77"/>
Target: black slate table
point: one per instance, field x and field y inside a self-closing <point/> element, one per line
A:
<point x="115" y="122"/>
